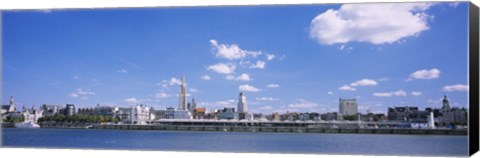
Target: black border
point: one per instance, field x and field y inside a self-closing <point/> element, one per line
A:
<point x="473" y="128"/>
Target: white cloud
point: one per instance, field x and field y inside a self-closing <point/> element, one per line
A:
<point x="229" y="102"/>
<point x="273" y="85"/>
<point x="76" y="77"/>
<point x="248" y="88"/>
<point x="415" y="93"/>
<point x="230" y="77"/>
<point x="329" y="92"/>
<point x="131" y="100"/>
<point x="383" y="79"/>
<point x="301" y="103"/>
<point x="258" y="65"/>
<point x="270" y="57"/>
<point x="372" y="23"/>
<point x="80" y="93"/>
<point x="243" y="77"/>
<point x="457" y="87"/>
<point x="206" y="77"/>
<point x="267" y="99"/>
<point x="193" y="90"/>
<point x="122" y="71"/>
<point x="453" y="4"/>
<point x="161" y="95"/>
<point x="222" y="68"/>
<point x="364" y="82"/>
<point x="425" y="74"/>
<point x="265" y="107"/>
<point x="344" y="47"/>
<point x="232" y="51"/>
<point x="346" y="88"/>
<point x="174" y="81"/>
<point x="390" y="94"/>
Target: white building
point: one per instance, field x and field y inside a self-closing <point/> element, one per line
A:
<point x="348" y="107"/>
<point x="139" y="114"/>
<point x="31" y="115"/>
<point x="242" y="103"/>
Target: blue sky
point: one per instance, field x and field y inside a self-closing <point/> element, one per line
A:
<point x="285" y="58"/>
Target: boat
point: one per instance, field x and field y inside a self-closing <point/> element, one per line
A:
<point x="27" y="125"/>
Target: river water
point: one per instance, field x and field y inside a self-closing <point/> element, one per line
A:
<point x="259" y="142"/>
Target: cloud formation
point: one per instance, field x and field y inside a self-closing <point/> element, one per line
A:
<point x="399" y="93"/>
<point x="372" y="23"/>
<point x="248" y="88"/>
<point x="80" y="93"/>
<point x="364" y="82"/>
<point x="457" y="87"/>
<point x="346" y="88"/>
<point x="425" y="74"/>
<point x="206" y="77"/>
<point x="267" y="99"/>
<point x="222" y="68"/>
<point x="231" y="52"/>
<point x="272" y="85"/>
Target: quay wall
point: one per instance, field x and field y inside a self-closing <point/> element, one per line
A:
<point x="284" y="129"/>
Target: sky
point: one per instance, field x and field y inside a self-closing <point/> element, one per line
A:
<point x="296" y="58"/>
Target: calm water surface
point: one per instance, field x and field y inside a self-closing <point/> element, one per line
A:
<point x="365" y="144"/>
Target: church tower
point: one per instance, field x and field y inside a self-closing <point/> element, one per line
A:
<point x="11" y="108"/>
<point x="183" y="95"/>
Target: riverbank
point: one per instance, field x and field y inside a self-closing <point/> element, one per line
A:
<point x="284" y="129"/>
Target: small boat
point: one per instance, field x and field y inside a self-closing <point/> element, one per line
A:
<point x="27" y="125"/>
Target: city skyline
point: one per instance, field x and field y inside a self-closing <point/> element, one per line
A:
<point x="281" y="61"/>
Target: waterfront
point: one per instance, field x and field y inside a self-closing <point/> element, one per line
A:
<point x="257" y="142"/>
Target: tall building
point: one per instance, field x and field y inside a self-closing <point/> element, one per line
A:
<point x="348" y="106"/>
<point x="70" y="110"/>
<point x="183" y="95"/>
<point x="192" y="106"/>
<point x="446" y="104"/>
<point x="242" y="103"/>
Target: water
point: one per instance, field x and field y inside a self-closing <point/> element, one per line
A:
<point x="351" y="144"/>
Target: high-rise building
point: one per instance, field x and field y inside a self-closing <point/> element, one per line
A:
<point x="183" y="95"/>
<point x="446" y="104"/>
<point x="348" y="106"/>
<point x="192" y="106"/>
<point x="242" y="103"/>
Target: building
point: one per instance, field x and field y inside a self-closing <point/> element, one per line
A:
<point x="183" y="95"/>
<point x="330" y="116"/>
<point x="158" y="114"/>
<point x="172" y="113"/>
<point x="191" y="106"/>
<point x="348" y="107"/>
<point x="199" y="113"/>
<point x="50" y="110"/>
<point x="139" y="114"/>
<point x="460" y="116"/>
<point x="242" y="105"/>
<point x="6" y="109"/>
<point x="408" y="114"/>
<point x="226" y="113"/>
<point x="69" y="110"/>
<point x="31" y="115"/>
